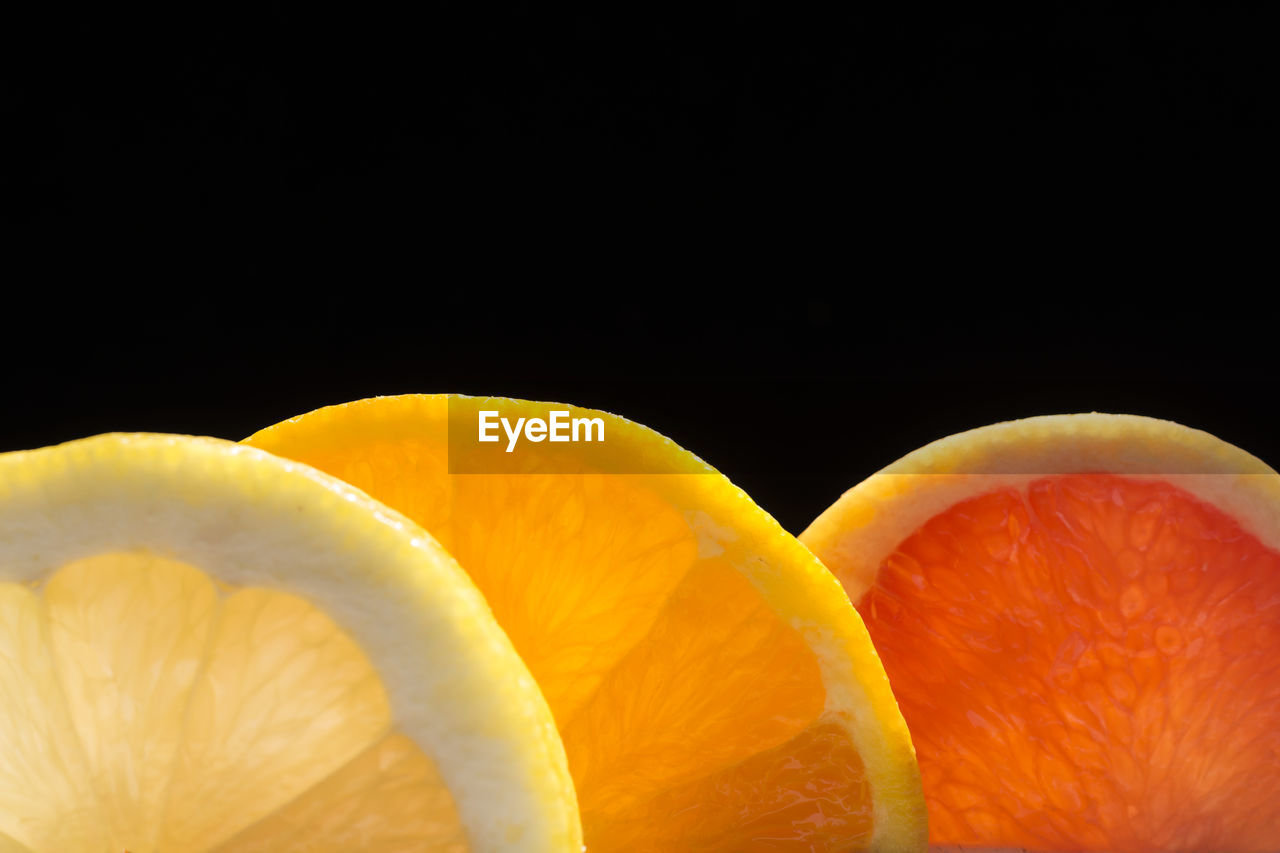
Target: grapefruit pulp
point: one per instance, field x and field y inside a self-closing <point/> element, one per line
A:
<point x="1079" y="617"/>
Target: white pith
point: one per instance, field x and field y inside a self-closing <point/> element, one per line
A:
<point x="868" y="522"/>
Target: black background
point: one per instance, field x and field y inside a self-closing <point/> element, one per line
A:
<point x="799" y="240"/>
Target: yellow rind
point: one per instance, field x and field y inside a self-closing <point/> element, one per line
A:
<point x="856" y="533"/>
<point x="246" y="517"/>
<point x="789" y="578"/>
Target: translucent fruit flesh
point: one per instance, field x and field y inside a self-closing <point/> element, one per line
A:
<point x="693" y="715"/>
<point x="144" y="708"/>
<point x="669" y="676"/>
<point x="1087" y="663"/>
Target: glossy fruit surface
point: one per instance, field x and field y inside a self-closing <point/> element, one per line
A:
<point x="713" y="686"/>
<point x="204" y="647"/>
<point x="1079" y="616"/>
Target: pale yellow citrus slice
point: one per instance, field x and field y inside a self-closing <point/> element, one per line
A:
<point x="206" y="648"/>
<point x="713" y="686"/>
<point x="1079" y="615"/>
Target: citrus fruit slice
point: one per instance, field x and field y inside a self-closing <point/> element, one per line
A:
<point x="1079" y="616"/>
<point x="206" y="648"/>
<point x="713" y="686"/>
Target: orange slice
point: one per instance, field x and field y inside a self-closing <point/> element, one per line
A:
<point x="1079" y="615"/>
<point x="204" y="647"/>
<point x="713" y="686"/>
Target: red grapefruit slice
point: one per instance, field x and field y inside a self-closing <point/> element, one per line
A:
<point x="1079" y="616"/>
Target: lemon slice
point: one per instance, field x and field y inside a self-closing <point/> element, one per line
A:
<point x="204" y="647"/>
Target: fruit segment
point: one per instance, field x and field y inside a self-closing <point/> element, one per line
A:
<point x="129" y="634"/>
<point x="719" y="680"/>
<point x="285" y="699"/>
<point x="46" y="800"/>
<point x="388" y="799"/>
<point x="577" y="569"/>
<point x="664" y="666"/>
<point x="810" y="793"/>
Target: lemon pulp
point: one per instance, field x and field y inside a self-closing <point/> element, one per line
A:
<point x="146" y="707"/>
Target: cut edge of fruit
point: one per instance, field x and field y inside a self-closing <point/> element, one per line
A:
<point x="790" y="579"/>
<point x="811" y="600"/>
<point x="870" y="520"/>
<point x="134" y="492"/>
